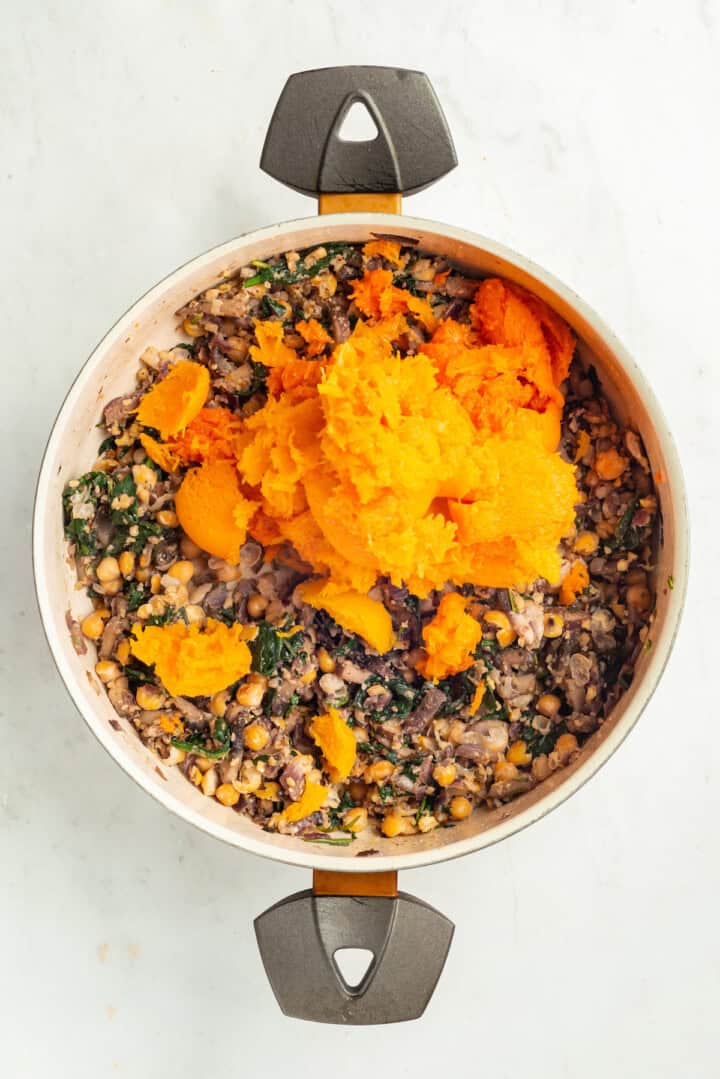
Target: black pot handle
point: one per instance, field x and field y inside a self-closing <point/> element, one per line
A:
<point x="299" y="936"/>
<point x="412" y="149"/>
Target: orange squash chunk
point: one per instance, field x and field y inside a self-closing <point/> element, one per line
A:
<point x="173" y="402"/>
<point x="575" y="581"/>
<point x="336" y="742"/>
<point x="213" y="510"/>
<point x="190" y="661"/>
<point x="354" y="612"/>
<point x="313" y="798"/>
<point x="450" y="639"/>
<point x="315" y="336"/>
<point x="387" y="249"/>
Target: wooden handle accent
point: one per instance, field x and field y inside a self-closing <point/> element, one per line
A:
<point x="326" y="882"/>
<point x="360" y="204"/>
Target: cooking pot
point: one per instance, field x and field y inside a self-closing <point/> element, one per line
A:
<point x="354" y="901"/>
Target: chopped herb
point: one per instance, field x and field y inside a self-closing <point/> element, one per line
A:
<point x="424" y="807"/>
<point x="487" y="644"/>
<point x="106" y="444"/>
<point x="385" y="792"/>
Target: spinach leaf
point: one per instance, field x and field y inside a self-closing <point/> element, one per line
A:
<point x="625" y="535"/>
<point x="331" y="840"/>
<point x="538" y="743"/>
<point x="196" y="744"/>
<point x="270" y="650"/>
<point x="270" y="307"/>
<point x="136" y="596"/>
<point x="138" y="673"/>
<point x="281" y="274"/>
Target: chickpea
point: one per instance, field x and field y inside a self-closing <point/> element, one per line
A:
<point x="444" y="773"/>
<point x="460" y="808"/>
<point x="548" y="705"/>
<point x="126" y="563"/>
<point x="149" y="698"/>
<point x="256" y="737"/>
<point x="107" y="670"/>
<point x="518" y="753"/>
<point x="227" y="795"/>
<point x="379" y="771"/>
<point x="566" y="745"/>
<point x="167" y="518"/>
<point x="504" y="770"/>
<point x="107" y="569"/>
<point x="182" y="571"/>
<point x="355" y="820"/>
<point x="93" y="626"/>
<point x="256" y="605"/>
<point x="250" y="694"/>
<point x="553" y="624"/>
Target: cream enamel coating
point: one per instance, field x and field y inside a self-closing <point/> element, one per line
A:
<point x="72" y="449"/>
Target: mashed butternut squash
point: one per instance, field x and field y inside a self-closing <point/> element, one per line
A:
<point x="427" y="468"/>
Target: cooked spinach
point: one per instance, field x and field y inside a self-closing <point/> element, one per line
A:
<point x="270" y="307"/>
<point x="378" y="750"/>
<point x="136" y="596"/>
<point x="538" y="743"/>
<point x="281" y="274"/>
<point x="625" y="535"/>
<point x="196" y="744"/>
<point x="138" y="673"/>
<point x="270" y="650"/>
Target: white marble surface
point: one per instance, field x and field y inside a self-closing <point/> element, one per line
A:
<point x="588" y="138"/>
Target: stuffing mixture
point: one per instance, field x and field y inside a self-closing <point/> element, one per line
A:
<point x="366" y="548"/>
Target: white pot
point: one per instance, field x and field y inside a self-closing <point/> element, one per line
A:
<point x="72" y="448"/>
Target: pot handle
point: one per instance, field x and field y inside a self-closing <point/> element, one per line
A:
<point x="413" y="146"/>
<point x="299" y="937"/>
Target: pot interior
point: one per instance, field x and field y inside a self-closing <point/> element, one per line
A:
<point x="111" y="372"/>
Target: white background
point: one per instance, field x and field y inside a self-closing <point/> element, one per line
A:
<point x="588" y="138"/>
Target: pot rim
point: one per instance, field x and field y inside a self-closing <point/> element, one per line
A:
<point x="107" y="737"/>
